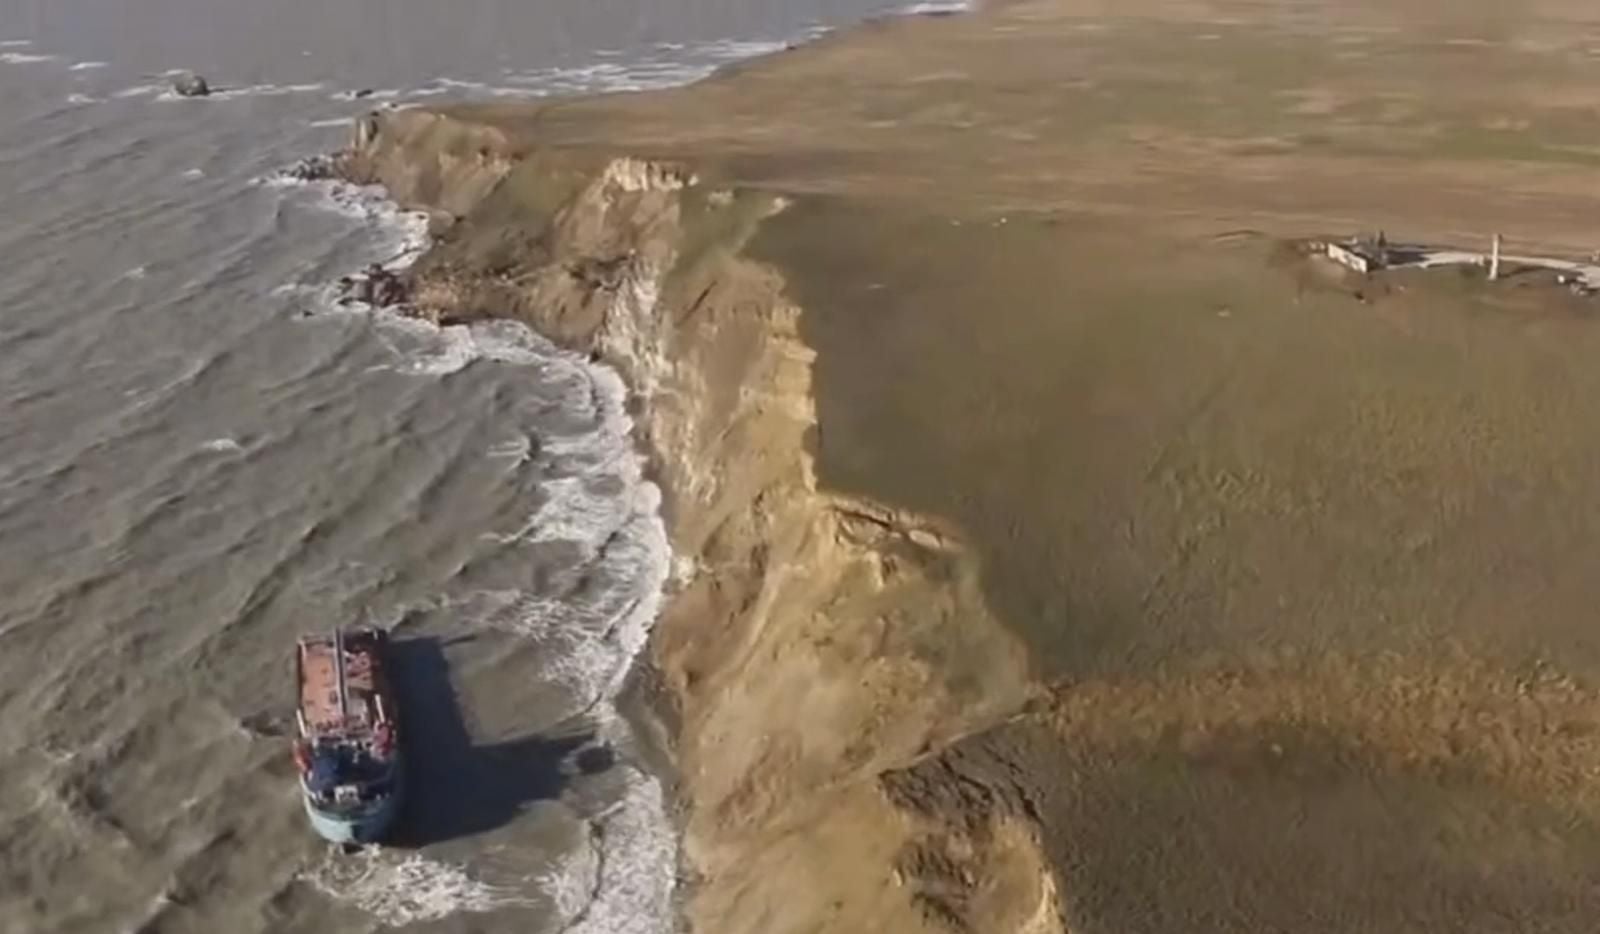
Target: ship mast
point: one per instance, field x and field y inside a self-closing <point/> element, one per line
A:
<point x="338" y="661"/>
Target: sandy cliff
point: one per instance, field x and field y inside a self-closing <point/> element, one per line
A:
<point x="1060" y="551"/>
<point x="818" y="640"/>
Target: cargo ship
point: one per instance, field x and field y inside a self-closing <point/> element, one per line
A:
<point x="348" y="750"/>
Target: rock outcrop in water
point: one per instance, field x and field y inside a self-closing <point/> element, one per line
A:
<point x="314" y="169"/>
<point x="376" y="286"/>
<point x="1057" y="559"/>
<point x="191" y="85"/>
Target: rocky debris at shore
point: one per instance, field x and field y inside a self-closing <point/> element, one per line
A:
<point x="191" y="85"/>
<point x="377" y="286"/>
<point x="314" y="169"/>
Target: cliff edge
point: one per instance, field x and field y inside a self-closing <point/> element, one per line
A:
<point x="1062" y="551"/>
<point x="817" y="640"/>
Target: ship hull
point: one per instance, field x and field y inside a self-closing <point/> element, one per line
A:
<point x="368" y="825"/>
<point x="347" y="752"/>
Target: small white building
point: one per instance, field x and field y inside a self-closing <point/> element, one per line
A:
<point x="1351" y="257"/>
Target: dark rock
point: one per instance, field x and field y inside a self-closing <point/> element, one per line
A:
<point x="376" y="286"/>
<point x="595" y="760"/>
<point x="362" y="94"/>
<point x="313" y="169"/>
<point x="191" y="85"/>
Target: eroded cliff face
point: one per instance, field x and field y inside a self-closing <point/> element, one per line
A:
<point x="814" y="643"/>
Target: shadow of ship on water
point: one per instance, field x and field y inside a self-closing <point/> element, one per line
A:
<point x="454" y="787"/>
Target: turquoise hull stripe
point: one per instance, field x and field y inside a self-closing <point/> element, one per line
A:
<point x="365" y="826"/>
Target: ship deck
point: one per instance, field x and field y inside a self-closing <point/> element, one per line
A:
<point x="319" y="686"/>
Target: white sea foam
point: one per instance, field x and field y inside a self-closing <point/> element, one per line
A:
<point x="674" y="65"/>
<point x="398" y="234"/>
<point x="76" y="98"/>
<point x="400" y="889"/>
<point x="136" y="273"/>
<point x="24" y="58"/>
<point x="588" y="661"/>
<point x="222" y="446"/>
<point x="572" y="884"/>
<point x="444" y="85"/>
<point x="608" y="77"/>
<point x="592" y="632"/>
<point x="87" y="66"/>
<point x="436" y="351"/>
<point x="728" y="50"/>
<point x="368" y="95"/>
<point x="519" y="449"/>
<point x="372" y="95"/>
<point x="937" y="8"/>
<point x="138" y="90"/>
<point x="194" y="173"/>
<point x="644" y="75"/>
<point x="620" y="880"/>
<point x="228" y="94"/>
<point x="635" y="883"/>
<point x="15" y="43"/>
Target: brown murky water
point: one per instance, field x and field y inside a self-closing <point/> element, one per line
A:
<point x="201" y="457"/>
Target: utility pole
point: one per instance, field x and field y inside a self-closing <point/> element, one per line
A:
<point x="1494" y="262"/>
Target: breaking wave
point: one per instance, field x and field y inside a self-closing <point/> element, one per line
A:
<point x="164" y="92"/>
<point x="938" y="8"/>
<point x="621" y="882"/>
<point x="596" y="500"/>
<point x="400" y="889"/>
